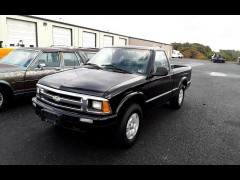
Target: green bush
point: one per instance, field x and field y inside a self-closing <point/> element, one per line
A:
<point x="193" y="50"/>
<point x="199" y="51"/>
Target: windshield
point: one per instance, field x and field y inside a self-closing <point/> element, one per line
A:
<point x="20" y="57"/>
<point x="131" y="60"/>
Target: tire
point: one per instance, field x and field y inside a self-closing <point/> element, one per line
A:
<point x="124" y="137"/>
<point x="177" y="101"/>
<point x="3" y="99"/>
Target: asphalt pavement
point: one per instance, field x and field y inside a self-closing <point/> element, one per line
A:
<point x="206" y="130"/>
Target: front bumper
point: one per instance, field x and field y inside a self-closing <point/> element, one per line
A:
<point x="71" y="120"/>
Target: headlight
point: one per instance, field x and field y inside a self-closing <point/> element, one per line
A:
<point x="102" y="106"/>
<point x="97" y="105"/>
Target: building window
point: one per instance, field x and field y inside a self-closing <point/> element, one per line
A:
<point x="89" y="39"/>
<point x="122" y="42"/>
<point x="62" y="36"/>
<point x="21" y="33"/>
<point x="107" y="41"/>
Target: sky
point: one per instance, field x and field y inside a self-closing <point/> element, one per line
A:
<point x="216" y="31"/>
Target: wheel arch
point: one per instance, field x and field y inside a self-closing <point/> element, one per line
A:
<point x="137" y="97"/>
<point x="6" y="85"/>
<point x="183" y="81"/>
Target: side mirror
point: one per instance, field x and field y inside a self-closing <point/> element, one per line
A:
<point x="41" y="66"/>
<point x="161" y="71"/>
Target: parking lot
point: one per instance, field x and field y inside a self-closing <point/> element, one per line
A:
<point x="206" y="130"/>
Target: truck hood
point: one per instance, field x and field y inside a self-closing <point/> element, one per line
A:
<point x="86" y="81"/>
<point x="9" y="68"/>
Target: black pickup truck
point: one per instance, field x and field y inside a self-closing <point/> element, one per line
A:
<point x="112" y="90"/>
<point x="218" y="58"/>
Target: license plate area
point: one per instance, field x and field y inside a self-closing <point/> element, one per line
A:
<point x="49" y="117"/>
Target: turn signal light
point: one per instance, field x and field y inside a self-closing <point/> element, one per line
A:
<point x="106" y="107"/>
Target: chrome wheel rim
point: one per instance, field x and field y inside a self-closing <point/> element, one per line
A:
<point x="1" y="99"/>
<point x="132" y="126"/>
<point x="180" y="97"/>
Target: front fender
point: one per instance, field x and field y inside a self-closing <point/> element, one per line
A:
<point x="129" y="96"/>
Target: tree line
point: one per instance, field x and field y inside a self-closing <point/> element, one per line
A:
<point x="200" y="51"/>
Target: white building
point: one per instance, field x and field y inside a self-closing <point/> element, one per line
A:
<point x="38" y="32"/>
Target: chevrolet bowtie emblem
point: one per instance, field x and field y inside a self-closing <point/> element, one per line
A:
<point x="56" y="98"/>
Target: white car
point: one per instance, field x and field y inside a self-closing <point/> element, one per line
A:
<point x="177" y="54"/>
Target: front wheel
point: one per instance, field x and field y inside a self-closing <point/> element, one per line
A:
<point x="177" y="101"/>
<point x="3" y="99"/>
<point x="128" y="130"/>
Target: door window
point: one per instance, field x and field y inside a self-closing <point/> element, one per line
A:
<point x="70" y="59"/>
<point x="160" y="60"/>
<point x="50" y="59"/>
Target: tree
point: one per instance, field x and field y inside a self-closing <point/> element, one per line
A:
<point x="193" y="50"/>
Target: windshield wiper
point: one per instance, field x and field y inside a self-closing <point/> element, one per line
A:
<point x="93" y="65"/>
<point x="116" y="68"/>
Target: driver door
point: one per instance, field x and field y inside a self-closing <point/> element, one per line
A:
<point x="50" y="62"/>
<point x="160" y="87"/>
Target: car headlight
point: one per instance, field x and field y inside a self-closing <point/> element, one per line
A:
<point x="102" y="106"/>
<point x="97" y="105"/>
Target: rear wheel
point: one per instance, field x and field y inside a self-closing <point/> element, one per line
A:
<point x="177" y="101"/>
<point x="128" y="130"/>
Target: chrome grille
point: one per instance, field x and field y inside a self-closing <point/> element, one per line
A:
<point x="67" y="100"/>
<point x="62" y="100"/>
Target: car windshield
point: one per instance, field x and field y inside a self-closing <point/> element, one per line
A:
<point x="20" y="57"/>
<point x="125" y="59"/>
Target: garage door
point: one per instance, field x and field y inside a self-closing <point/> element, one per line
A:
<point x="21" y="30"/>
<point x="122" y="42"/>
<point x="62" y="36"/>
<point x="89" y="39"/>
<point x="107" y="41"/>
